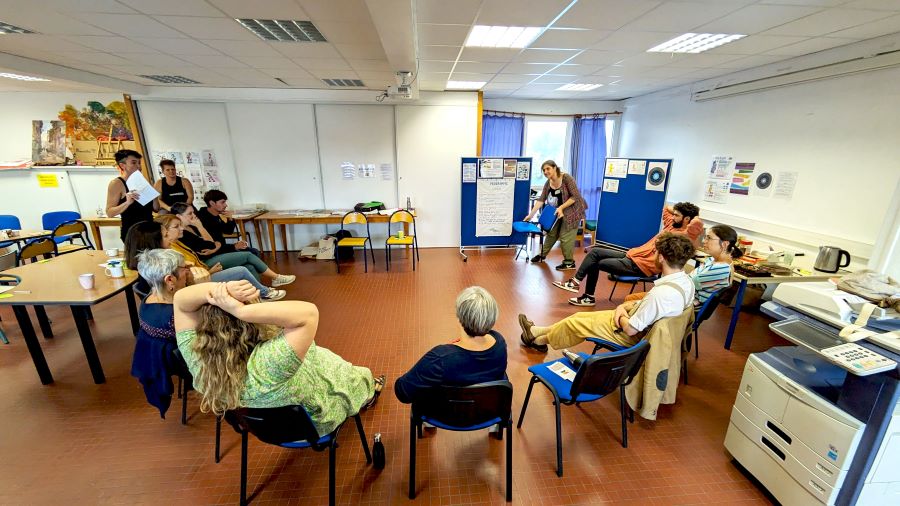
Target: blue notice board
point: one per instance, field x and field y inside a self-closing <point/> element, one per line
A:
<point x="632" y="199"/>
<point x="469" y="198"/>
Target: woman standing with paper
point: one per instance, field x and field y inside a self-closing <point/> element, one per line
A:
<point x="120" y="200"/>
<point x="560" y="191"/>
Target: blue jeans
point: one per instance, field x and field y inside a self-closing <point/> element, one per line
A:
<point x="238" y="274"/>
<point x="239" y="259"/>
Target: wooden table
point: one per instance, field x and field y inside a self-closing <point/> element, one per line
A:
<point x="761" y="280"/>
<point x="54" y="282"/>
<point x="25" y="235"/>
<point x="241" y="218"/>
<point x="284" y="218"/>
<point x="96" y="222"/>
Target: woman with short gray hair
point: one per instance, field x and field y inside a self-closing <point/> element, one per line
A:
<point x="477" y="356"/>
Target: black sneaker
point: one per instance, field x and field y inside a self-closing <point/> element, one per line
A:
<point x="537" y="258"/>
<point x="570" y="284"/>
<point x="565" y="266"/>
<point x="583" y="301"/>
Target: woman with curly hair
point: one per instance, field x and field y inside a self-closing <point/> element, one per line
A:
<point x="265" y="356"/>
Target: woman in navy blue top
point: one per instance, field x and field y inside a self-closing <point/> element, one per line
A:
<point x="477" y="357"/>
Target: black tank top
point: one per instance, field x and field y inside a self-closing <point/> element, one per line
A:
<point x="135" y="213"/>
<point x="173" y="194"/>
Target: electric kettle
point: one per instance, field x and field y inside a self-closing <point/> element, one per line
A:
<point x="829" y="259"/>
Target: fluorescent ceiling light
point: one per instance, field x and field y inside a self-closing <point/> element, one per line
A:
<point x="21" y="78"/>
<point x="578" y="87"/>
<point x="465" y="85"/>
<point x="502" y="36"/>
<point x="694" y="43"/>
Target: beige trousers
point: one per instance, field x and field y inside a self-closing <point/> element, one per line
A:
<point x="579" y="326"/>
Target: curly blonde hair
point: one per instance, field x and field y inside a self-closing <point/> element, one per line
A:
<point x="223" y="346"/>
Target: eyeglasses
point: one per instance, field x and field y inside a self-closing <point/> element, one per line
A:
<point x="711" y="238"/>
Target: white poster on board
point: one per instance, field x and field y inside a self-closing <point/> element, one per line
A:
<point x="637" y="167"/>
<point x="523" y="171"/>
<point x="494" y="207"/>
<point x="785" y="184"/>
<point x="491" y="168"/>
<point x="469" y="173"/>
<point x="611" y="185"/>
<point x="762" y="184"/>
<point x="716" y="191"/>
<point x="721" y="167"/>
<point x="616" y="167"/>
<point x="656" y="176"/>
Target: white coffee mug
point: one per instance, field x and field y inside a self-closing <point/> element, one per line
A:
<point x="115" y="271"/>
<point x="112" y="252"/>
<point x="86" y="281"/>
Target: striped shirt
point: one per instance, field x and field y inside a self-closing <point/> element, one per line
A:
<point x="709" y="278"/>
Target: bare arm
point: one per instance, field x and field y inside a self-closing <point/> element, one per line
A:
<point x="114" y="192"/>
<point x="188" y="189"/>
<point x="158" y="187"/>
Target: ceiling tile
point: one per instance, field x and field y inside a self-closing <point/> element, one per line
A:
<point x="827" y="21"/>
<point x="371" y="77"/>
<point x="494" y="85"/>
<point x="441" y="35"/>
<point x="605" y="14"/>
<point x="569" y="38"/>
<point x="284" y="73"/>
<point x="592" y="57"/>
<point x="489" y="54"/>
<point x="253" y="77"/>
<point x="624" y="40"/>
<point x="432" y="85"/>
<point x="268" y="62"/>
<point x="545" y="55"/>
<point x="110" y="43"/>
<point x="245" y="47"/>
<point x="370" y="65"/>
<point x="336" y="10"/>
<point x="156" y="60"/>
<point x="131" y="25"/>
<point x="349" y="33"/>
<point x="756" y="44"/>
<point x="306" y="50"/>
<point x="361" y="51"/>
<point x="334" y="74"/>
<point x="439" y="52"/>
<point x="819" y="3"/>
<point x="478" y="67"/>
<point x="514" y="78"/>
<point x="37" y="42"/>
<point x="208" y="28"/>
<point x="304" y="83"/>
<point x="889" y="5"/>
<point x="681" y="16"/>
<point x="429" y="66"/>
<point x="751" y="61"/>
<point x="520" y="12"/>
<point x="207" y="60"/>
<point x="178" y="46"/>
<point x="554" y="79"/>
<point x="471" y="76"/>
<point x="270" y="9"/>
<point x="173" y="7"/>
<point x="810" y="46"/>
<point x="322" y="63"/>
<point x="874" y="29"/>
<point x="645" y="59"/>
<point x="528" y="68"/>
<point x="107" y="6"/>
<point x="94" y="58"/>
<point x="703" y="60"/>
<point x="48" y="22"/>
<point x="441" y="11"/>
<point x="757" y="18"/>
<point x="578" y="70"/>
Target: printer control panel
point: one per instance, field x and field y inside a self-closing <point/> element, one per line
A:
<point x="858" y="360"/>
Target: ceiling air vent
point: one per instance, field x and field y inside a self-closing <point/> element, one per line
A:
<point x="284" y="30"/>
<point x="344" y="83"/>
<point x="8" y="28"/>
<point x="170" y="79"/>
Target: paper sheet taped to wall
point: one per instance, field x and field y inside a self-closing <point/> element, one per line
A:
<point x="494" y="207"/>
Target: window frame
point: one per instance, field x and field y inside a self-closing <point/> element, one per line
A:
<point x="567" y="148"/>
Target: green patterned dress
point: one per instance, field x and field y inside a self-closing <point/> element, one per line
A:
<point x="329" y="387"/>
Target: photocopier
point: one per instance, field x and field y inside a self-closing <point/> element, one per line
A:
<point x="819" y="423"/>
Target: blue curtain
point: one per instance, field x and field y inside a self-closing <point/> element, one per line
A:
<point x="502" y="135"/>
<point x="588" y="157"/>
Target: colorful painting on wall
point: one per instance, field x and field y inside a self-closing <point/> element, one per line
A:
<point x="97" y="122"/>
<point x="48" y="142"/>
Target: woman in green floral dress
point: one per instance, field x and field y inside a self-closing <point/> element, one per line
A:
<point x="265" y="356"/>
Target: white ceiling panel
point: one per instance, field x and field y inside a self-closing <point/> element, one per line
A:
<point x="757" y="18"/>
<point x="471" y="76"/>
<point x="747" y="62"/>
<point x="442" y="11"/>
<point x="756" y="44"/>
<point x="270" y="9"/>
<point x="514" y="78"/>
<point x="634" y="41"/>
<point x="304" y="83"/>
<point x="429" y="66"/>
<point x="267" y="62"/>
<point x="361" y="51"/>
<point x="681" y="16"/>
<point x="375" y="78"/>
<point x="370" y="65"/>
<point x="557" y="79"/>
<point x="336" y="10"/>
<point x="208" y="28"/>
<point x="577" y="70"/>
<point x="520" y="12"/>
<point x="306" y="50"/>
<point x="38" y="42"/>
<point x="107" y="6"/>
<point x="178" y="46"/>
<point x="153" y="59"/>
<point x="528" y="68"/>
<point x="173" y="7"/>
<point x="605" y="14"/>
<point x="49" y="22"/>
<point x="489" y="54"/>
<point x="253" y="77"/>
<point x="110" y="43"/>
<point x="703" y="60"/>
<point x="827" y="21"/>
<point x="569" y="38"/>
<point x="810" y="46"/>
<point x="545" y="55"/>
<point x="130" y="25"/>
<point x="590" y="57"/>
<point x="479" y="67"/>
<point x="349" y="33"/>
<point x="878" y="5"/>
<point x="651" y="59"/>
<point x="207" y="60"/>
<point x="877" y="28"/>
<point x="439" y="52"/>
<point x="819" y="3"/>
<point x="322" y="63"/>
<point x="245" y="47"/>
<point x="334" y="74"/>
<point x="442" y="35"/>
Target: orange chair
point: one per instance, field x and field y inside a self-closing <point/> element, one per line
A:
<point x="404" y="217"/>
<point x="355" y="218"/>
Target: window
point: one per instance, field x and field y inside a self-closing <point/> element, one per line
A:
<point x="547" y="139"/>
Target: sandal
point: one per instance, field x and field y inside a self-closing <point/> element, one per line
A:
<point x="379" y="386"/>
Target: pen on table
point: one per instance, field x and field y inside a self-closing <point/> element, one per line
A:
<point x="21" y="291"/>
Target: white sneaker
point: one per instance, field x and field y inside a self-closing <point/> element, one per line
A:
<point x="274" y="295"/>
<point x="284" y="279"/>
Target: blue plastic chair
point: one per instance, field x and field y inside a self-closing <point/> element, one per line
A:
<point x="51" y="220"/>
<point x="545" y="222"/>
<point x="706" y="310"/>
<point x="634" y="280"/>
<point x="468" y="408"/>
<point x="596" y="377"/>
<point x="287" y="427"/>
<point x="9" y="221"/>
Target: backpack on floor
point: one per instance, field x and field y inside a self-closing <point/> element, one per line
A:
<point x="343" y="252"/>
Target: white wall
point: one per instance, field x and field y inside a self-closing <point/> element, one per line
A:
<point x="840" y="134"/>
